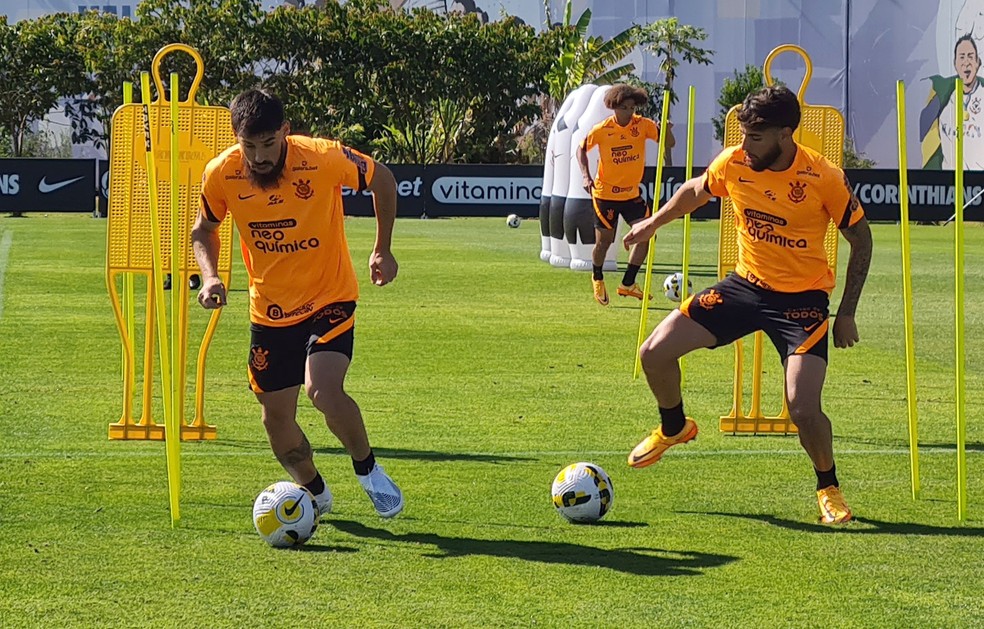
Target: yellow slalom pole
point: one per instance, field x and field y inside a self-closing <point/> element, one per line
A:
<point x="685" y="289"/>
<point x="910" y="343"/>
<point x="657" y="192"/>
<point x="127" y="297"/>
<point x="958" y="306"/>
<point x="172" y="433"/>
<point x="128" y="276"/>
<point x="157" y="276"/>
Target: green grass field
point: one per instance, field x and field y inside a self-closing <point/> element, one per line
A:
<point x="481" y="372"/>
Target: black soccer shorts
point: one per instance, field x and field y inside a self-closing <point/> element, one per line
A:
<point x="796" y="323"/>
<point x="278" y="355"/>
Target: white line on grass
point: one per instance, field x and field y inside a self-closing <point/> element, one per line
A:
<point x="465" y="455"/>
<point x="8" y="238"/>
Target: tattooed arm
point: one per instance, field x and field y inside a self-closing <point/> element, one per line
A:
<point x="845" y="328"/>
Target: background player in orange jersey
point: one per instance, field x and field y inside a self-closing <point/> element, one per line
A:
<point x="621" y="141"/>
<point x="285" y="194"/>
<point x="785" y="196"/>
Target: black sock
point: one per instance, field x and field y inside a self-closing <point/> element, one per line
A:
<point x="630" y="274"/>
<point x="673" y="420"/>
<point x="596" y="272"/>
<point x="826" y="479"/>
<point x="364" y="466"/>
<point x="317" y="485"/>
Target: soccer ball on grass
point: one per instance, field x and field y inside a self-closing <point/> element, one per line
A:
<point x="582" y="492"/>
<point x="512" y="220"/>
<point x="285" y="515"/>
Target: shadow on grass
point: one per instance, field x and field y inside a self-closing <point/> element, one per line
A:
<point x="431" y="455"/>
<point x="615" y="524"/>
<point x="640" y="561"/>
<point x="695" y="270"/>
<point x="858" y="526"/>
<point x="902" y="444"/>
<point x="393" y="453"/>
<point x="323" y="548"/>
<point x="969" y="447"/>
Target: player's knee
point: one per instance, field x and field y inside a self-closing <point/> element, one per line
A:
<point x="804" y="413"/>
<point x="653" y="354"/>
<point x="327" y="399"/>
<point x="274" y="418"/>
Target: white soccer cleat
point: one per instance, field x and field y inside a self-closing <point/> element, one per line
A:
<point x="324" y="501"/>
<point x="385" y="495"/>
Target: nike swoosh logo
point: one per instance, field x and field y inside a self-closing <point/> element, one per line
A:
<point x="636" y="459"/>
<point x="743" y="180"/>
<point x="813" y="327"/>
<point x="248" y="196"/>
<point x="290" y="511"/>
<point x="44" y="187"/>
<point x="335" y="319"/>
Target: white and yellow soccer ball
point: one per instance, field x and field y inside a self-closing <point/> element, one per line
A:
<point x="582" y="492"/>
<point x="285" y="515"/>
<point x="513" y="221"/>
<point x="673" y="284"/>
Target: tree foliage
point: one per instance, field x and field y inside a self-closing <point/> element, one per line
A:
<point x="582" y="59"/>
<point x="672" y="43"/>
<point x="853" y="158"/>
<point x="733" y="92"/>
<point x="357" y="70"/>
<point x="39" y="64"/>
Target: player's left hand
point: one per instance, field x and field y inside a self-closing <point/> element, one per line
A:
<point x="845" y="331"/>
<point x="382" y="267"/>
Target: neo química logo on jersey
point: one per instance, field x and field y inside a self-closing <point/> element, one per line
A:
<point x="273" y="237"/>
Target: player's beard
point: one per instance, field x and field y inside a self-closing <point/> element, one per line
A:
<point x="267" y="180"/>
<point x="758" y="164"/>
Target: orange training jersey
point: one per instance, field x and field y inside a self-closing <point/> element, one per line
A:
<point x="782" y="217"/>
<point x="292" y="235"/>
<point x="622" y="156"/>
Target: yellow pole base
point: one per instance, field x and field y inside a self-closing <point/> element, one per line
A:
<point x="744" y="424"/>
<point x="122" y="431"/>
<point x="136" y="432"/>
<point x="203" y="432"/>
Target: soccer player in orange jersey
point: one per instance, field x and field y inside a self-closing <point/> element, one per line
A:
<point x="285" y="194"/>
<point x="785" y="196"/>
<point x="621" y="141"/>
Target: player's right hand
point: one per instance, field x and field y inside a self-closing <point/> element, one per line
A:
<point x="212" y="294"/>
<point x="588" y="184"/>
<point x="640" y="232"/>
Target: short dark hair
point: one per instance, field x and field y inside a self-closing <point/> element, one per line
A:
<point x="255" y="112"/>
<point x="968" y="37"/>
<point x="620" y="93"/>
<point x="774" y="107"/>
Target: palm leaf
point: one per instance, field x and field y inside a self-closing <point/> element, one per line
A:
<point x="614" y="74"/>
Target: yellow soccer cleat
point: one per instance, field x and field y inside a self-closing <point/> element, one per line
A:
<point x="652" y="447"/>
<point x="833" y="507"/>
<point x="600" y="292"/>
<point x="630" y="291"/>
